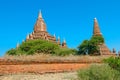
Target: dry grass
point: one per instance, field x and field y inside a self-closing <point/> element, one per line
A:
<point x="49" y="58"/>
<point x="55" y="76"/>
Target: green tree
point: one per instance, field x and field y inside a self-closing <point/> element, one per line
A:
<point x="97" y="40"/>
<point x="91" y="46"/>
<point x="84" y="47"/>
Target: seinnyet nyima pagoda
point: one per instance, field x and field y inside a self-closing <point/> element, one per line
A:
<point x="40" y="32"/>
<point x="104" y="50"/>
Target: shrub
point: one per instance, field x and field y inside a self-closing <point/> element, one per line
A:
<point x="12" y="52"/>
<point x="65" y="52"/>
<point x="98" y="72"/>
<point x="113" y="62"/>
<point x="34" y="46"/>
<point x="41" y="46"/>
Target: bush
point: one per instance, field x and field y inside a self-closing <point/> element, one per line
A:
<point x="34" y="46"/>
<point x="65" y="52"/>
<point x="41" y="46"/>
<point x="113" y="62"/>
<point x="98" y="72"/>
<point x="12" y="52"/>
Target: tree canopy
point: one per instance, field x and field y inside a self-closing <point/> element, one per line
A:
<point x="91" y="46"/>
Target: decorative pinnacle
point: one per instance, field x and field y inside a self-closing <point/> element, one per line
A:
<point x="40" y="14"/>
<point x="28" y="36"/>
<point x="58" y="38"/>
<point x="64" y="41"/>
<point x="32" y="32"/>
<point x="17" y="45"/>
<point x="54" y="35"/>
<point x="95" y="19"/>
<point x="23" y="40"/>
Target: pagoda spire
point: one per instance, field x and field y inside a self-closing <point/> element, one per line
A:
<point x="64" y="41"/>
<point x="96" y="29"/>
<point x="58" y="40"/>
<point x="28" y="37"/>
<point x="17" y="46"/>
<point x="40" y="14"/>
<point x="54" y="35"/>
<point x="64" y="45"/>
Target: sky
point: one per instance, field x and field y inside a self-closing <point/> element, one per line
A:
<point x="70" y="19"/>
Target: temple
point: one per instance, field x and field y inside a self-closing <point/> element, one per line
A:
<point x="40" y="32"/>
<point x="104" y="50"/>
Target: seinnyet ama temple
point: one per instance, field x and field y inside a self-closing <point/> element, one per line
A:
<point x="40" y="32"/>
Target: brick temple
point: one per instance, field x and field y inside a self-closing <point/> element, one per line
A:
<point x="40" y="32"/>
<point x="104" y="50"/>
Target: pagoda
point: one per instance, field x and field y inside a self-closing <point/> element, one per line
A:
<point x="104" y="50"/>
<point x="40" y="32"/>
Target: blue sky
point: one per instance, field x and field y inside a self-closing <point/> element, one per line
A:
<point x="69" y="19"/>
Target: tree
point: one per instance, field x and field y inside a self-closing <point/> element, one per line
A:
<point x="91" y="46"/>
<point x="83" y="48"/>
<point x="97" y="40"/>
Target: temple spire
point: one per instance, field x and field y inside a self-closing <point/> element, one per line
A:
<point x="28" y="37"/>
<point x="40" y="14"/>
<point x="58" y="37"/>
<point x="58" y="40"/>
<point x="96" y="30"/>
<point x="54" y="35"/>
<point x="64" y="41"/>
<point x="17" y="46"/>
<point x="64" y="45"/>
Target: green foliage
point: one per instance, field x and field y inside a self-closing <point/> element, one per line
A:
<point x="34" y="46"/>
<point x="83" y="48"/>
<point x="65" y="52"/>
<point x="88" y="47"/>
<point x="97" y="40"/>
<point x="98" y="72"/>
<point x="41" y="46"/>
<point x="12" y="52"/>
<point x="113" y="62"/>
<point x="91" y="46"/>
